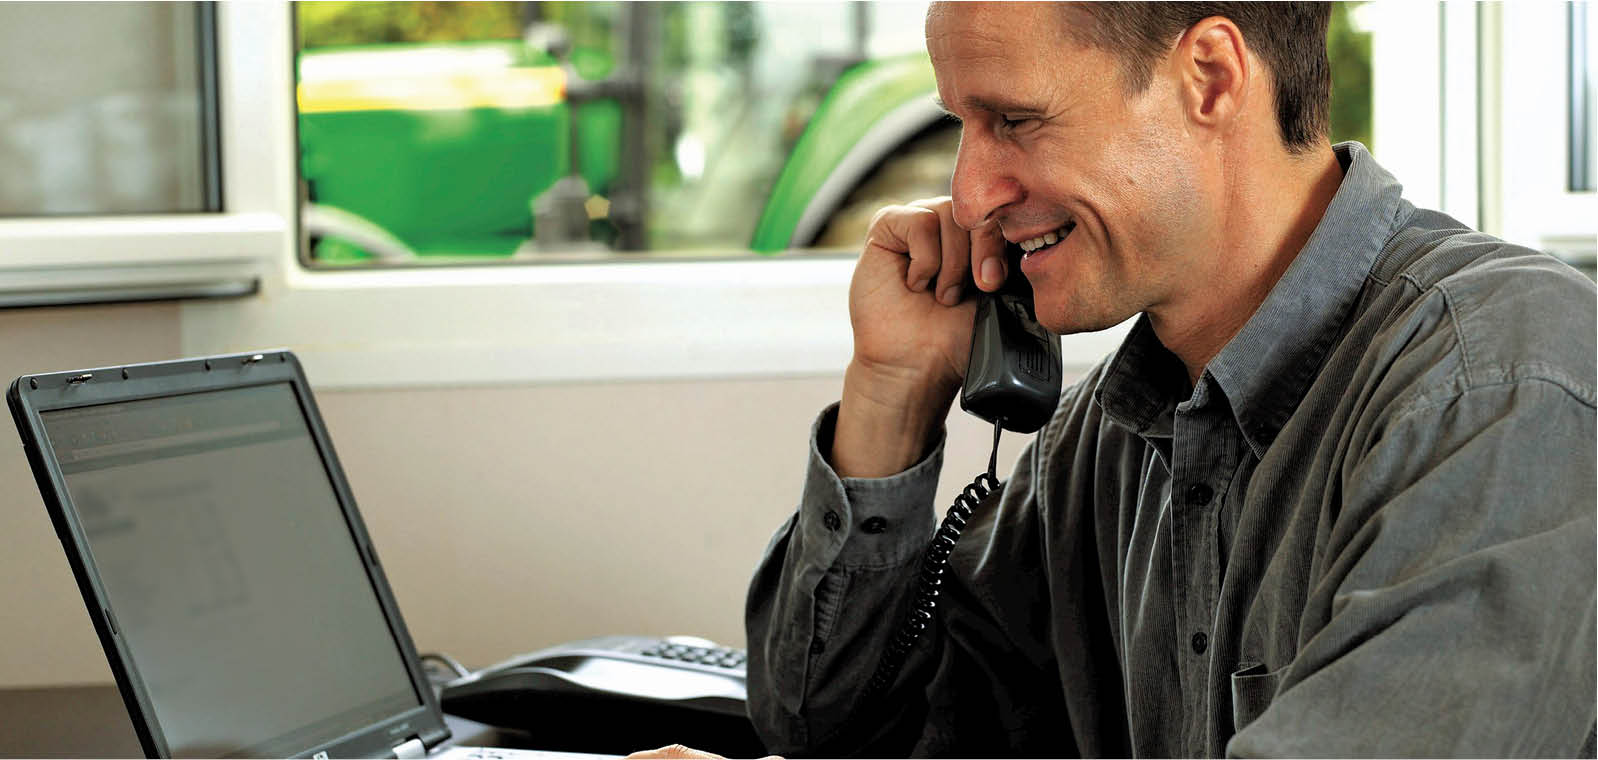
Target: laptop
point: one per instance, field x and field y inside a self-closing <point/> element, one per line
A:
<point x="238" y="597"/>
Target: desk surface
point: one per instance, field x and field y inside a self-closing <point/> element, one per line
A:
<point x="91" y="721"/>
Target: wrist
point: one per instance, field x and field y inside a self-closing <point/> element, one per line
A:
<point x="888" y="419"/>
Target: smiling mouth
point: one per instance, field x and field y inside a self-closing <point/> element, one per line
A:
<point x="1046" y="240"/>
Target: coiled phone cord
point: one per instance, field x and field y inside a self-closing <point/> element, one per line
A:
<point x="933" y="565"/>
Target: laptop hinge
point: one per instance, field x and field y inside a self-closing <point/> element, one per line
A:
<point x="410" y="750"/>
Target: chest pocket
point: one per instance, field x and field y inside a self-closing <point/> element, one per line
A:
<point x="1252" y="691"/>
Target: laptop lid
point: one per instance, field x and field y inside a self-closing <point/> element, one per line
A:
<point x="223" y="561"/>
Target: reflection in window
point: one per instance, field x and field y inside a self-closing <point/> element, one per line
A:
<point x="104" y="108"/>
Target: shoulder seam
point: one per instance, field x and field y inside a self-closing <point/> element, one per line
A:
<point x="1432" y="401"/>
<point x="1457" y="321"/>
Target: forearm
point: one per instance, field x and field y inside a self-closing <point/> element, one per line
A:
<point x="827" y="596"/>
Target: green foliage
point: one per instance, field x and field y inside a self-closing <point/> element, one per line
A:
<point x="323" y="24"/>
<point x="1349" y="51"/>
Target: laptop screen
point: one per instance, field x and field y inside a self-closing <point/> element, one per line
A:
<point x="232" y="574"/>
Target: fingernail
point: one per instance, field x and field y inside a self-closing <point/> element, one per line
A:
<point x="919" y="285"/>
<point x="992" y="273"/>
<point x="950" y="295"/>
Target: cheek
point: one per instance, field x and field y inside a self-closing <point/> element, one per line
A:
<point x="1152" y="189"/>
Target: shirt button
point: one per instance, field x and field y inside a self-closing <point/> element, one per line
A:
<point x="874" y="525"/>
<point x="831" y="520"/>
<point x="1200" y="642"/>
<point x="1199" y="494"/>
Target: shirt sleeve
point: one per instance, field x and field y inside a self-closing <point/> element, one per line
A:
<point x="1453" y="608"/>
<point x="832" y="589"/>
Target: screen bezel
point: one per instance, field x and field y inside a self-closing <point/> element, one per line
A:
<point x="32" y="395"/>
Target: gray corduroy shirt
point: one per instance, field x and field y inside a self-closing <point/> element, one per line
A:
<point x="1367" y="529"/>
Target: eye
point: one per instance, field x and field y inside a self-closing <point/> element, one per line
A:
<point x="1009" y="124"/>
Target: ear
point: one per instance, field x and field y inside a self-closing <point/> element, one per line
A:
<point x="1213" y="65"/>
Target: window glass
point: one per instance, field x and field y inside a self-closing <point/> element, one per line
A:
<point x="1348" y="50"/>
<point x="442" y="132"/>
<point x="104" y="108"/>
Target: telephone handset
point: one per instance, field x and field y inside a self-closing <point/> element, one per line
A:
<point x="1013" y="376"/>
<point x="1013" y="381"/>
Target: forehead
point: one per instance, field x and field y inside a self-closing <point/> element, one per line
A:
<point x="982" y="48"/>
<point x="955" y="29"/>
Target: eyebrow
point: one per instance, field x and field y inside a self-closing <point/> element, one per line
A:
<point x="991" y="105"/>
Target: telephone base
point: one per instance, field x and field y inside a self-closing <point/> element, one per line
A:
<point x="612" y="694"/>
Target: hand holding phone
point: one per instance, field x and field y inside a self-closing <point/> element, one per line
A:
<point x="910" y="347"/>
<point x="912" y="309"/>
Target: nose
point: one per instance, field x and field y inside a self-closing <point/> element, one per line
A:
<point x="982" y="183"/>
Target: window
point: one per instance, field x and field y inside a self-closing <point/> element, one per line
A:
<point x="353" y="301"/>
<point x="1348" y="50"/>
<point x="686" y="312"/>
<point x="1485" y="121"/>
<point x="124" y="139"/>
<point x="110" y="163"/>
<point x="1538" y="144"/>
<point x="443" y="132"/>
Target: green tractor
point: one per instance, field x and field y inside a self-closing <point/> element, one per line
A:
<point x="536" y="148"/>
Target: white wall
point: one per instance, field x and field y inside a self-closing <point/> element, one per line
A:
<point x="48" y="636"/>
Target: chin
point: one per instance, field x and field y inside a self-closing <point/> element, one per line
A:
<point x="1063" y="320"/>
<point x="1071" y="327"/>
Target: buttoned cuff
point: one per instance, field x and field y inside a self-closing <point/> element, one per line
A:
<point x="867" y="522"/>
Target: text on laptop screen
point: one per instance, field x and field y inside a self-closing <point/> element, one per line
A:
<point x="231" y="571"/>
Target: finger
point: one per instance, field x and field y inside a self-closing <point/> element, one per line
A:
<point x="988" y="261"/>
<point x="955" y="245"/>
<point x="674" y="751"/>
<point x="910" y="231"/>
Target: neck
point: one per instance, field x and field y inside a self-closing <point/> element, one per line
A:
<point x="1267" y="212"/>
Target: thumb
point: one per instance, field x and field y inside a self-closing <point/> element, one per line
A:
<point x="988" y="265"/>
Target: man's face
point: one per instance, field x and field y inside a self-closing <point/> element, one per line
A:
<point x="1051" y="144"/>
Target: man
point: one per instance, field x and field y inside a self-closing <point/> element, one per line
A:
<point x="1333" y="495"/>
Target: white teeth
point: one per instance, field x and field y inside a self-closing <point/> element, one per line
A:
<point x="1046" y="239"/>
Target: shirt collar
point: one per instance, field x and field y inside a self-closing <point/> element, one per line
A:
<point x="1266" y="368"/>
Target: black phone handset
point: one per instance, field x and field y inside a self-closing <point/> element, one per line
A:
<point x="1011" y="380"/>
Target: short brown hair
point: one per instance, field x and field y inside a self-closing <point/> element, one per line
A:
<point x="1289" y="37"/>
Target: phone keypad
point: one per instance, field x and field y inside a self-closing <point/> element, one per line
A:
<point x="722" y="657"/>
